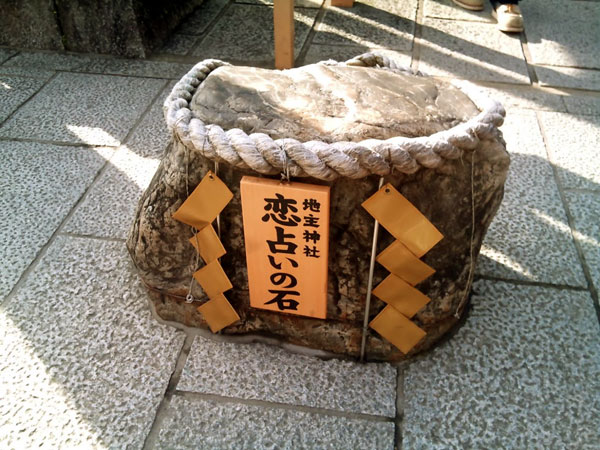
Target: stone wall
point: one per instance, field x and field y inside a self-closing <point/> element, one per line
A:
<point x="129" y="28"/>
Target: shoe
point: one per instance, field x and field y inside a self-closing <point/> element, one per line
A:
<point x="509" y="18"/>
<point x="473" y="5"/>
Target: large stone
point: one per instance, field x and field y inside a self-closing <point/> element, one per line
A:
<point x="129" y="28"/>
<point x="327" y="103"/>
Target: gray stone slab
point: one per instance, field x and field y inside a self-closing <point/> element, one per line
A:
<point x="251" y="25"/>
<point x="80" y="108"/>
<point x="523" y="372"/>
<point x="197" y="23"/>
<point x="205" y="424"/>
<point x="261" y="372"/>
<point x="530" y="238"/>
<point x="471" y="51"/>
<point x="318" y="52"/>
<point x="574" y="43"/>
<point x="50" y="61"/>
<point x="26" y="73"/>
<point x="583" y="104"/>
<point x="585" y="210"/>
<point x="85" y="363"/>
<point x="514" y="97"/>
<point x="14" y="91"/>
<point x="568" y="77"/>
<point x="39" y="184"/>
<point x="178" y="44"/>
<point x="110" y="204"/>
<point x="572" y="143"/>
<point x="376" y="24"/>
<point x="138" y="68"/>
<point x="446" y="9"/>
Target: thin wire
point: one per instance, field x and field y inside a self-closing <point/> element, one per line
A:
<point x="365" y="327"/>
<point x="189" y="298"/>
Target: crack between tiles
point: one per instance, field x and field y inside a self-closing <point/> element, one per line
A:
<point x="11" y="56"/>
<point x="223" y="399"/>
<point x="528" y="60"/>
<point x="34" y="94"/>
<point x="163" y="407"/>
<point x="399" y="407"/>
<point x="582" y="190"/>
<point x="59" y="230"/>
<point x="308" y="42"/>
<point x="542" y="284"/>
<point x="91" y="236"/>
<point x="56" y="143"/>
<point x="571" y="221"/>
<point x="209" y="29"/>
<point x="416" y="41"/>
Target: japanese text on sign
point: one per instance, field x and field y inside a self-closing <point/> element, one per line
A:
<point x="286" y="231"/>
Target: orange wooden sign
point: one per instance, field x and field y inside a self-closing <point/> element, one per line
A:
<point x="286" y="231"/>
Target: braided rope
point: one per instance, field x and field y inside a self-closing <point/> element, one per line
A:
<point x="321" y="160"/>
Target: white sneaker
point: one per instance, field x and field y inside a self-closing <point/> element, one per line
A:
<point x="509" y="18"/>
<point x="473" y="5"/>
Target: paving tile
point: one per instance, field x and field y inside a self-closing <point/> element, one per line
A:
<point x="317" y="53"/>
<point x="261" y="372"/>
<point x="24" y="72"/>
<point x="84" y="365"/>
<point x="81" y="108"/>
<point x="198" y="22"/>
<point x="50" y="61"/>
<point x="568" y="77"/>
<point x="6" y="53"/>
<point x="252" y="25"/>
<point x="202" y="424"/>
<point x="525" y="97"/>
<point x="14" y="91"/>
<point x="577" y="158"/>
<point x="178" y="44"/>
<point x="109" y="208"/>
<point x="523" y="372"/>
<point x="574" y="43"/>
<point x="376" y="24"/>
<point x="585" y="210"/>
<point x="587" y="104"/>
<point x="39" y="184"/>
<point x="530" y="239"/>
<point x="138" y="68"/>
<point x="446" y="9"/>
<point x="471" y="51"/>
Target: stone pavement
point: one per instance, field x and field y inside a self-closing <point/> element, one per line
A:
<point x="84" y="364"/>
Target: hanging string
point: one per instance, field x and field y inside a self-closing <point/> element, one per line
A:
<point x="365" y="327"/>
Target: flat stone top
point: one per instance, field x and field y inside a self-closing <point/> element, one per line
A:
<point x="329" y="103"/>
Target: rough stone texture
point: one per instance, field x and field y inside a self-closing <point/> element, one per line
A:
<point x="323" y="52"/>
<point x="570" y="77"/>
<point x="39" y="184"/>
<point x="523" y="372"/>
<point x="530" y="240"/>
<point x="159" y="245"/>
<point x="29" y="24"/>
<point x="84" y="365"/>
<point x="78" y="108"/>
<point x="121" y="27"/>
<point x="383" y="106"/>
<point x="207" y="424"/>
<point x="14" y="91"/>
<point x="214" y="368"/>
<point x="577" y="159"/>
<point x="471" y="51"/>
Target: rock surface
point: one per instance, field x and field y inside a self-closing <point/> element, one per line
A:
<point x="129" y="28"/>
<point x="159" y="244"/>
<point x="329" y="103"/>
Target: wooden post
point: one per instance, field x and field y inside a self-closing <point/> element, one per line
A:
<point x="343" y="3"/>
<point x="283" y="21"/>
